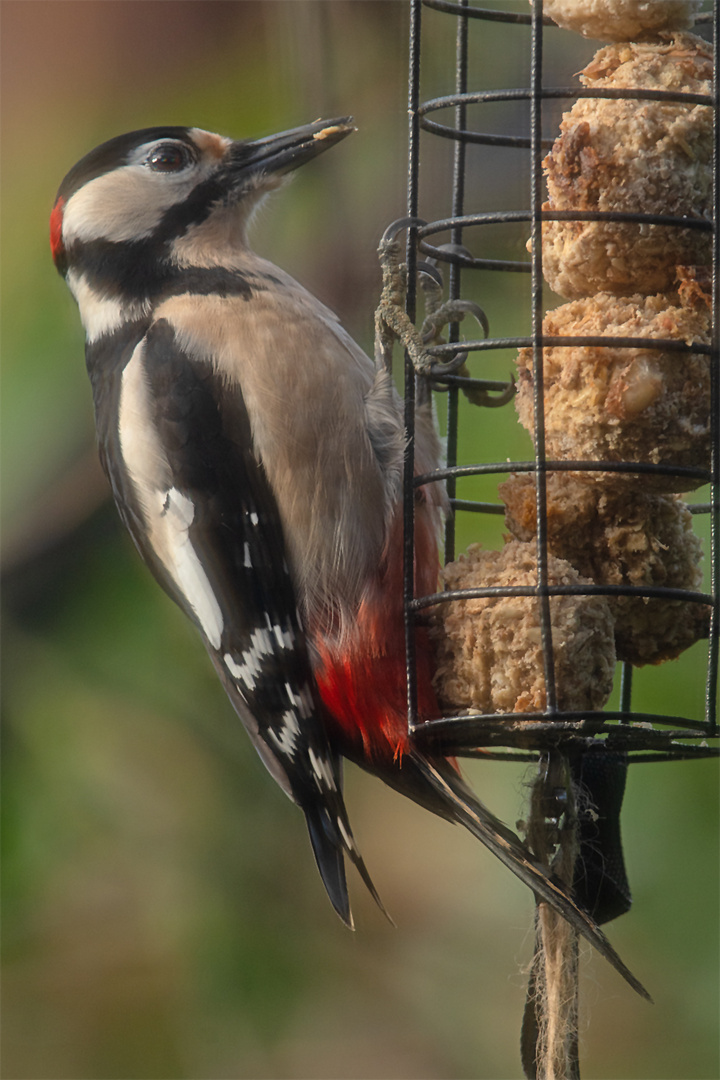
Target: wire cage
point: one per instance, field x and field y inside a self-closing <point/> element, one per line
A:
<point x="640" y="736"/>
<point x="581" y="753"/>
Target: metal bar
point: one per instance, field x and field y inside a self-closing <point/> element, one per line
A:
<point x="536" y="288"/>
<point x="711" y="702"/>
<point x="478" y="97"/>
<point x="492" y="15"/>
<point x="639" y="467"/>
<point x="614" y="216"/>
<point x="458" y="206"/>
<point x="592" y="342"/>
<point x="652" y="592"/>
<point x="481" y="13"/>
<point x="409" y="458"/>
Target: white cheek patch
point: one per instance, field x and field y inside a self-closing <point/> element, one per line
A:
<point x="120" y="205"/>
<point x="125" y="204"/>
<point x="101" y="315"/>
<point x="168" y="513"/>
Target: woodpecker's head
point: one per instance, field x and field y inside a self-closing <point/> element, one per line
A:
<point x="166" y="197"/>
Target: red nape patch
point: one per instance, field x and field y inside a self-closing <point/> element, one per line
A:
<point x="56" y="221"/>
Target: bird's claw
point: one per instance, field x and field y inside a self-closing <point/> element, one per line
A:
<point x="393" y="324"/>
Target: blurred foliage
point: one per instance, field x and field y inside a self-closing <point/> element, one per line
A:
<point x="162" y="913"/>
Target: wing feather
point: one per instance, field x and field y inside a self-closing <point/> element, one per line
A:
<point x="212" y="535"/>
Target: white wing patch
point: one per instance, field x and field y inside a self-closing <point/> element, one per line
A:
<point x="284" y="638"/>
<point x="322" y="769"/>
<point x="245" y="672"/>
<point x="168" y="512"/>
<point x="286" y="738"/>
<point x="302" y="700"/>
<point x="250" y="665"/>
<point x="187" y="569"/>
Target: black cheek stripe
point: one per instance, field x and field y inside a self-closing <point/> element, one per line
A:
<point x="139" y="273"/>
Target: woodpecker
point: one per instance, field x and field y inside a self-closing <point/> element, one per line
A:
<point x="255" y="454"/>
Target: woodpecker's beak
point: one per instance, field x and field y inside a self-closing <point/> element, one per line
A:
<point x="279" y="154"/>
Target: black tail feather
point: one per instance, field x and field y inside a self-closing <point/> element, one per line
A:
<point x="331" y="838"/>
<point x="461" y="806"/>
<point x="436" y="785"/>
<point x="330" y="862"/>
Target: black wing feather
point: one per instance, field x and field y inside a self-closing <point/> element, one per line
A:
<point x="234" y="528"/>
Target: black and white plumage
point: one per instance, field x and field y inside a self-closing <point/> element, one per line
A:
<point x="256" y="455"/>
<point x="176" y="442"/>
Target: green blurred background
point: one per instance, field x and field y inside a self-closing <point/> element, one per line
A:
<point x="162" y="912"/>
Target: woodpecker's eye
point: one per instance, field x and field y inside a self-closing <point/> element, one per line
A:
<point x="169" y="157"/>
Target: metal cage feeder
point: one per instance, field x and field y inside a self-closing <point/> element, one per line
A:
<point x="563" y="742"/>
<point x="645" y="736"/>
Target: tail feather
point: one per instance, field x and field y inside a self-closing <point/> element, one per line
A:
<point x="331" y="838"/>
<point x="330" y="861"/>
<point x="461" y="806"/>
